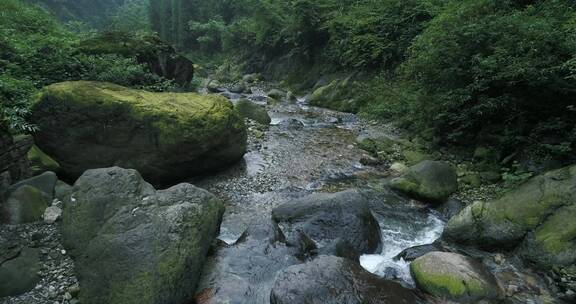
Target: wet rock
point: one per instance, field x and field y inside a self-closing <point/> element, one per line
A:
<point x="455" y="277"/>
<point x="329" y="279"/>
<point x="331" y="218"/>
<point x="20" y="274"/>
<point x="245" y="271"/>
<point x="412" y="253"/>
<point x="52" y="214"/>
<point x="25" y="205"/>
<point x="133" y="244"/>
<point x="537" y="218"/>
<point x="431" y="181"/>
<point x="248" y="109"/>
<point x="166" y="136"/>
<point x="276" y="94"/>
<point x="40" y="162"/>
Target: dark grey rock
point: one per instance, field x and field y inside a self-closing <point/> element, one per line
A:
<point x="334" y="280"/>
<point x="133" y="244"/>
<point x="329" y="219"/>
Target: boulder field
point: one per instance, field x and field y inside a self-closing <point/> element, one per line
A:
<point x="165" y="136"/>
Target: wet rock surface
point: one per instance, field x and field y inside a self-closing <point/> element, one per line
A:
<point x="244" y="272"/>
<point x="333" y="221"/>
<point x="334" y="280"/>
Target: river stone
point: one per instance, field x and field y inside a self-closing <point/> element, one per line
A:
<point x="248" y="109"/>
<point x="165" y="136"/>
<point x="20" y="274"/>
<point x="334" y="280"/>
<point x="276" y="94"/>
<point x="331" y="218"/>
<point x="455" y="277"/>
<point x="133" y="244"/>
<point x="245" y="271"/>
<point x="45" y="182"/>
<point x="24" y="205"/>
<point x="537" y="218"/>
<point x="431" y="181"/>
<point x="40" y="162"/>
<point x="52" y="214"/>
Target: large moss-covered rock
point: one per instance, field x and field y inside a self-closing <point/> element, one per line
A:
<point x="453" y="276"/>
<point x="24" y="205"/>
<point x="431" y="181"/>
<point x="166" y="136"/>
<point x="538" y="218"/>
<point x="338" y="95"/>
<point x="133" y="244"/>
<point x="250" y="110"/>
<point x="160" y="57"/>
<point x="41" y="162"/>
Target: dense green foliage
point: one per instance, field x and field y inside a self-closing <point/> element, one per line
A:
<point x="498" y="73"/>
<point x="492" y="73"/>
<point x="36" y="51"/>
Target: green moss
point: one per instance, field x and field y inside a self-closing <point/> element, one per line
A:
<point x="172" y="115"/>
<point x="446" y="285"/>
<point x="41" y="162"/>
<point x="438" y="284"/>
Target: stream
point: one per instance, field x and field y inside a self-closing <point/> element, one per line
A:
<point x="307" y="150"/>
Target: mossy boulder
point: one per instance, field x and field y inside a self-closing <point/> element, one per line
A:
<point x="166" y="136"/>
<point x="338" y="95"/>
<point x="25" y="205"/>
<point x="41" y="162"/>
<point x="250" y="110"/>
<point x="430" y="181"/>
<point x="537" y="218"/>
<point x="134" y="245"/>
<point x="455" y="277"/>
<point x="160" y="57"/>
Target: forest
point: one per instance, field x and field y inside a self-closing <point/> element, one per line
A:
<point x="287" y="151"/>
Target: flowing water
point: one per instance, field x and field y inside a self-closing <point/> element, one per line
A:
<point x="306" y="150"/>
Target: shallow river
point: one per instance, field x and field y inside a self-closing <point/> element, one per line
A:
<point x="306" y="150"/>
